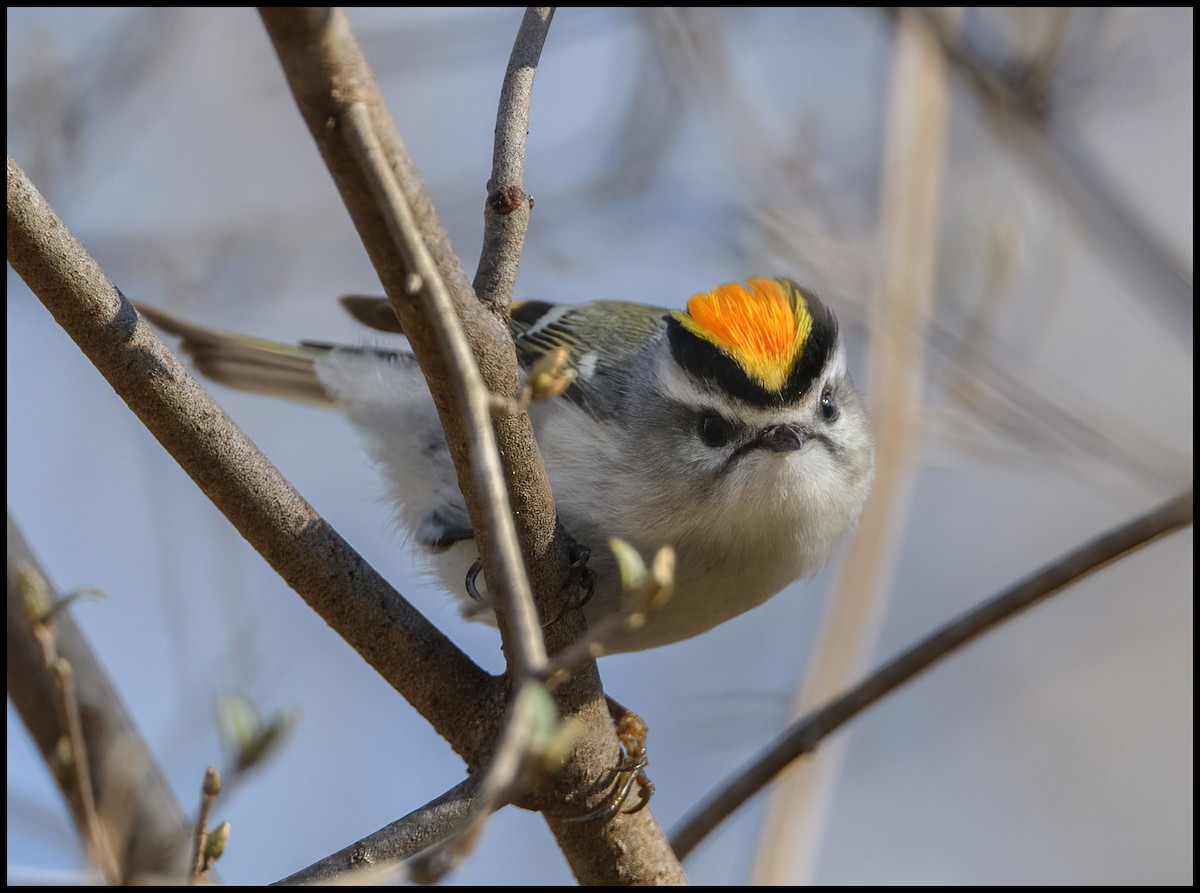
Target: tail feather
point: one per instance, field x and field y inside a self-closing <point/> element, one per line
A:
<point x="250" y="364"/>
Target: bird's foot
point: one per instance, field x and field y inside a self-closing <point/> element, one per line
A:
<point x="630" y="771"/>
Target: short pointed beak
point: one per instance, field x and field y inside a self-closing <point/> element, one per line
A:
<point x="781" y="439"/>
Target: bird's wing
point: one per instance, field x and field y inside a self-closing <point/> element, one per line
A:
<point x="602" y="339"/>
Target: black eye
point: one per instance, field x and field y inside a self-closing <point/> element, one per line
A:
<point x="714" y="430"/>
<point x="829" y="408"/>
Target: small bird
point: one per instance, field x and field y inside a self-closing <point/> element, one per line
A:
<point x="730" y="431"/>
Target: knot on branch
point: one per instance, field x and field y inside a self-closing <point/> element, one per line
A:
<point x="506" y="199"/>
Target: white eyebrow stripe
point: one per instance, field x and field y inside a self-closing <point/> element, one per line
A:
<point x="836" y="367"/>
<point x="677" y="386"/>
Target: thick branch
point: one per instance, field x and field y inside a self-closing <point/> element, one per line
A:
<point x="142" y="821"/>
<point x="439" y="680"/>
<point x="328" y="76"/>
<point x="804" y="736"/>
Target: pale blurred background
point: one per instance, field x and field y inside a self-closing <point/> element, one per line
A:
<point x="669" y="151"/>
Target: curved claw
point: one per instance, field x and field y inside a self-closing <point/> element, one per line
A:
<point x="581" y="574"/>
<point x="631" y="733"/>
<point x="472" y="576"/>
<point x="581" y="583"/>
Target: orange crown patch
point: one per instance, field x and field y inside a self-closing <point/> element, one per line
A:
<point x="763" y="328"/>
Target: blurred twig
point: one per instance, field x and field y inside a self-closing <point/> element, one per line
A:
<point x="71" y="766"/>
<point x="991" y="392"/>
<point x="1042" y="135"/>
<point x="804" y="736"/>
<point x="209" y="790"/>
<point x="55" y="108"/>
<point x="649" y="121"/>
<point x="912" y="176"/>
<point x="141" y="818"/>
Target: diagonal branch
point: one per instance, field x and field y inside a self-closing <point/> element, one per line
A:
<point x="422" y="828"/>
<point x="804" y="736"/>
<point x="335" y="581"/>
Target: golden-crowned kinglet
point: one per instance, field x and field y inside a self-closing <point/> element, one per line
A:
<point x="731" y="431"/>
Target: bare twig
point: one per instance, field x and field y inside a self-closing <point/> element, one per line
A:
<point x="519" y="624"/>
<point x="209" y="790"/>
<point x="435" y="838"/>
<point x="441" y="682"/>
<point x="148" y="838"/>
<point x="506" y="212"/>
<point x="804" y="736"/>
<point x="74" y="766"/>
<point x="531" y="723"/>
<point x="69" y="764"/>
<point x="328" y="76"/>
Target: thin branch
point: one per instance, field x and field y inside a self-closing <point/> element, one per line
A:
<point x="1049" y="143"/>
<point x="74" y="766"/>
<point x="804" y="736"/>
<point x="437" y="837"/>
<point x="147" y="831"/>
<point x="328" y="74"/>
<point x="420" y="829"/>
<point x="506" y="212"/>
<point x="209" y="790"/>
<point x="520" y="627"/>
<point x="441" y="682"/>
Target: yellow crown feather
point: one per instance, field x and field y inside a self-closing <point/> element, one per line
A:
<point x="762" y="328"/>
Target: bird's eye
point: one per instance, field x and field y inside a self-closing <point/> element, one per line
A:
<point x="829" y="407"/>
<point x="714" y="430"/>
